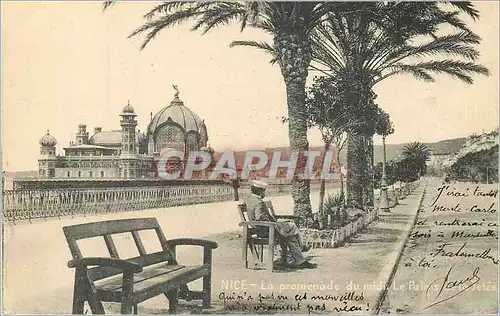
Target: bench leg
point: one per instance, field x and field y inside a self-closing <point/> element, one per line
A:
<point x="245" y="254"/>
<point x="270" y="251"/>
<point x="78" y="302"/>
<point x="95" y="305"/>
<point x="126" y="307"/>
<point x="245" y="245"/>
<point x="127" y="291"/>
<point x="207" y="279"/>
<point x="79" y="291"/>
<point x="173" y="300"/>
<point x="255" y="253"/>
<point x="207" y="291"/>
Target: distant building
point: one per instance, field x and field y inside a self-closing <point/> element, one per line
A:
<point x="442" y="160"/>
<point x="476" y="143"/>
<point x="125" y="153"/>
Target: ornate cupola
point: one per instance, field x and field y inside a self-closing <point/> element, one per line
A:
<point x="48" y="144"/>
<point x="48" y="159"/>
<point x="128" y="164"/>
<point x="128" y="124"/>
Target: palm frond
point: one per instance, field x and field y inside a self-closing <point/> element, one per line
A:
<point x="259" y="45"/>
<point x="458" y="69"/>
<point x="467" y="7"/>
<point x="453" y="19"/>
<point x="108" y="3"/>
<point x="251" y="13"/>
<point x="155" y="26"/>
<point x="219" y="16"/>
<point x="419" y="74"/>
<point x="458" y="44"/>
<point x="169" y="6"/>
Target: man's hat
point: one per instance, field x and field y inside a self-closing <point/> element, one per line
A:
<point x="259" y="184"/>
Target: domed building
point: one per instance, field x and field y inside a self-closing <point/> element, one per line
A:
<point x="177" y="127"/>
<point x="126" y="153"/>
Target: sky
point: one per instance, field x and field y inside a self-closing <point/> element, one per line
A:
<point x="69" y="63"/>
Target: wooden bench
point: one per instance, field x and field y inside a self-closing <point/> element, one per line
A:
<point x="255" y="243"/>
<point x="134" y="280"/>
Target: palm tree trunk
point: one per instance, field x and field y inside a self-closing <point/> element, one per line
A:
<point x="294" y="56"/>
<point x="356" y="163"/>
<point x="340" y="171"/>
<point x="322" y="182"/>
<point x="369" y="195"/>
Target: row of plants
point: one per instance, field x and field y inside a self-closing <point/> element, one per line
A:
<point x="336" y="213"/>
<point x="409" y="168"/>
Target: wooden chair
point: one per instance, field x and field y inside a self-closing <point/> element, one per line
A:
<point x="255" y="243"/>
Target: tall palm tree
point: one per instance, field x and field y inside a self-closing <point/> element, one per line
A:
<point x="289" y="23"/>
<point x="417" y="153"/>
<point x="372" y="44"/>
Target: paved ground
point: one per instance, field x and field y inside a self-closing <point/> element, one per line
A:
<point x="36" y="279"/>
<point x="35" y="255"/>
<point x="450" y="281"/>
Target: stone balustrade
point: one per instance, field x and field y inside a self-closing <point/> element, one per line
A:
<point x="33" y="204"/>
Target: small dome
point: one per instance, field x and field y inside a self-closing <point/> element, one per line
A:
<point x="128" y="109"/>
<point x="208" y="149"/>
<point x="48" y="140"/>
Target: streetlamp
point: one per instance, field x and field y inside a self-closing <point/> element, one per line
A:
<point x="384" y="199"/>
<point x="394" y="165"/>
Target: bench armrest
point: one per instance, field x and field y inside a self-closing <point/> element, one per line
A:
<point x="207" y="245"/>
<point x="106" y="262"/>
<point x="287" y="217"/>
<point x="259" y="223"/>
<point x="193" y="242"/>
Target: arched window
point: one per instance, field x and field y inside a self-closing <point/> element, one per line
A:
<point x="192" y="142"/>
<point x="203" y="136"/>
<point x="169" y="137"/>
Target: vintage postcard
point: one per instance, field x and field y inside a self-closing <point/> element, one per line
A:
<point x="249" y="157"/>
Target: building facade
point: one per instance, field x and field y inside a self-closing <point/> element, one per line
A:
<point x="125" y="153"/>
<point x="474" y="143"/>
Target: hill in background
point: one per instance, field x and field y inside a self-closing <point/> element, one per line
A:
<point x="393" y="151"/>
<point x="449" y="146"/>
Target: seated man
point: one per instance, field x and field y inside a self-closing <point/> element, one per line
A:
<point x="288" y="232"/>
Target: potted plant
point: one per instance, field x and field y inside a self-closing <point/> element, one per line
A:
<point x="332" y="207"/>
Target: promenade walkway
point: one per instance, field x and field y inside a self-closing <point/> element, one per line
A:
<point x="37" y="280"/>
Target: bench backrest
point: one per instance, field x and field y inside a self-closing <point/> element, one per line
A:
<point x="108" y="228"/>
<point x="242" y="209"/>
<point x="244" y="216"/>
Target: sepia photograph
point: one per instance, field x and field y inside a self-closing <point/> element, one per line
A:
<point x="250" y="157"/>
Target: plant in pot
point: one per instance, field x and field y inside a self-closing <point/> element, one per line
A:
<point x="333" y="208"/>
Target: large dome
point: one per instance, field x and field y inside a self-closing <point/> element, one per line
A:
<point x="178" y="114"/>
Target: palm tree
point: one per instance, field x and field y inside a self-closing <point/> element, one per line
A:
<point x="329" y="114"/>
<point x="417" y="154"/>
<point x="289" y="23"/>
<point x="375" y="43"/>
